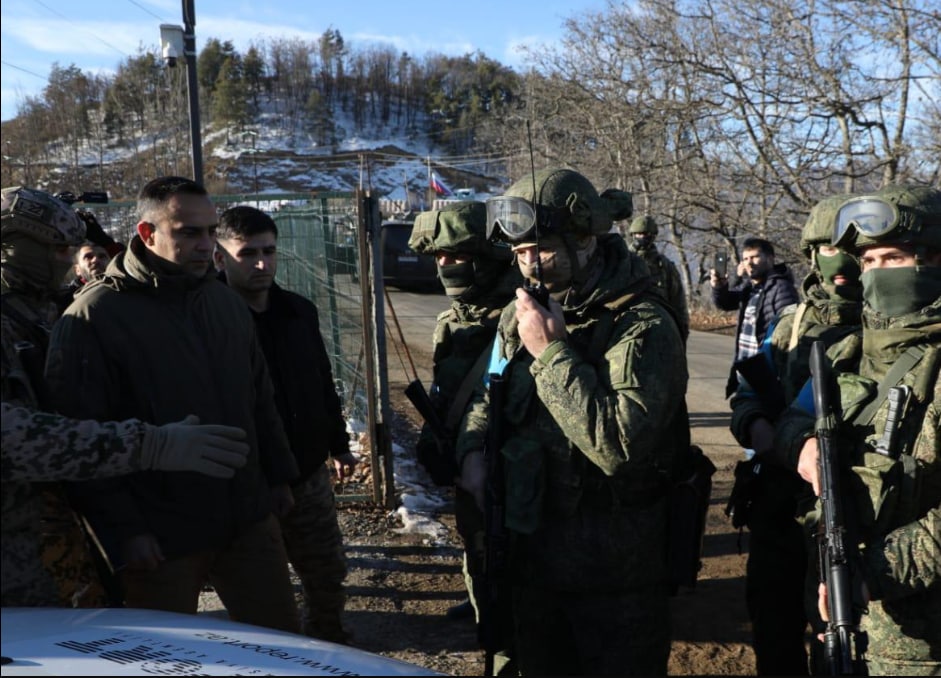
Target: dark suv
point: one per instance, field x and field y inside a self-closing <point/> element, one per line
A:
<point x="401" y="265"/>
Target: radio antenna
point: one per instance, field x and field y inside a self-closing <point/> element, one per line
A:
<point x="538" y="291"/>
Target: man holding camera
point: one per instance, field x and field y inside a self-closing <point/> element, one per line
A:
<point x="764" y="291"/>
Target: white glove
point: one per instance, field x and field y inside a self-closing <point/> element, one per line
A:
<point x="213" y="449"/>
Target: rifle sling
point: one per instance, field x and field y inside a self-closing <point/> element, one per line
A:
<point x="902" y="366"/>
<point x="471" y="380"/>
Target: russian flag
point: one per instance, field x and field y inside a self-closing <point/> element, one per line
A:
<point x="438" y="185"/>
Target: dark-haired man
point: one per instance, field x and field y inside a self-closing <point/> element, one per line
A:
<point x="157" y="338"/>
<point x="765" y="290"/>
<point x="289" y="331"/>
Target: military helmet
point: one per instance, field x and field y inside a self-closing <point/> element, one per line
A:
<point x="40" y="216"/>
<point x="820" y="222"/>
<point x="565" y="201"/>
<point x="645" y="224"/>
<point x="456" y="227"/>
<point x="893" y="214"/>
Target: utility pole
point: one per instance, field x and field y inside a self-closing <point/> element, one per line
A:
<point x="192" y="87"/>
<point x="175" y="42"/>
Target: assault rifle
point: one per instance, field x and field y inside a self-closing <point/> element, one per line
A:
<point x="844" y="643"/>
<point x="441" y="466"/>
<point x="489" y="627"/>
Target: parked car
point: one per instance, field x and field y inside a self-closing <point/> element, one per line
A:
<point x="401" y="265"/>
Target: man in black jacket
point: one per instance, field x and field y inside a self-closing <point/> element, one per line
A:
<point x="765" y="290"/>
<point x="289" y="330"/>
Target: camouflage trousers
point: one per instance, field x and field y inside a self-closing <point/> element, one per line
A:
<point x="315" y="548"/>
<point x="66" y="555"/>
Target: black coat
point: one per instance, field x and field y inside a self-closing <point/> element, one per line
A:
<point x="305" y="394"/>
<point x="777" y="293"/>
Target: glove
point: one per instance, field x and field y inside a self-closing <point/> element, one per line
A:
<point x="212" y="449"/>
<point x="93" y="230"/>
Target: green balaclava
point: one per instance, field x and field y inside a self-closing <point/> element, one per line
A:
<point x="459" y="228"/>
<point x="895" y="292"/>
<point x="34" y="226"/>
<point x="817" y="232"/>
<point x="830" y="266"/>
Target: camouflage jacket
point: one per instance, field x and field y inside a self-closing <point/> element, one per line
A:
<point x="38" y="449"/>
<point x="895" y="501"/>
<point x="462" y="333"/>
<point x="668" y="284"/>
<point x="592" y="427"/>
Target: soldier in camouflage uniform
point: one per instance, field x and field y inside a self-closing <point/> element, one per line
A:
<point x="641" y="236"/>
<point x="478" y="276"/>
<point x="777" y="553"/>
<point x="894" y="497"/>
<point x="593" y="421"/>
<point x="45" y="559"/>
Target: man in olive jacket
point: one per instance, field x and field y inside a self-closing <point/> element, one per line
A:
<point x="159" y="338"/>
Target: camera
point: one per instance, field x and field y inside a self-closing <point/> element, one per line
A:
<point x="721" y="264"/>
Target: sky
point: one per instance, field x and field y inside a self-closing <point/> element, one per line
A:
<point x="97" y="35"/>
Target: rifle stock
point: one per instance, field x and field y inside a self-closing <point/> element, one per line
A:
<point x="844" y="643"/>
<point x="417" y="395"/>
<point x="438" y="458"/>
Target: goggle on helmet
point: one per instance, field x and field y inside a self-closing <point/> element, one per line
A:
<point x="910" y="214"/>
<point x="515" y="220"/>
<point x="867" y="216"/>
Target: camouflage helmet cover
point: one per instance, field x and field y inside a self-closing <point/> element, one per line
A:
<point x="645" y="224"/>
<point x="40" y="216"/>
<point x="457" y="227"/>
<point x="567" y="193"/>
<point x="917" y="219"/>
<point x="818" y="230"/>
